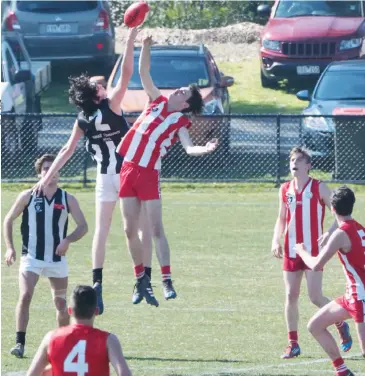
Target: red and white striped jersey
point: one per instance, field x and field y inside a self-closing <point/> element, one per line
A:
<point x="304" y="217"/>
<point x="152" y="134"/>
<point x="354" y="261"/>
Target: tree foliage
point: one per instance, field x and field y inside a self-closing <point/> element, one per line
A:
<point x="191" y="14"/>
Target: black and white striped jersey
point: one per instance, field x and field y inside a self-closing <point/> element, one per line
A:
<point x="44" y="225"/>
<point x="103" y="132"/>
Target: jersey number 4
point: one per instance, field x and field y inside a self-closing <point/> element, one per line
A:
<point x="78" y="366"/>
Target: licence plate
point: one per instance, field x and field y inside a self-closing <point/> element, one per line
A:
<point x="63" y="28"/>
<point x="308" y="69"/>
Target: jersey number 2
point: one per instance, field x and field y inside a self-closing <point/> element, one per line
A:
<point x="79" y="366"/>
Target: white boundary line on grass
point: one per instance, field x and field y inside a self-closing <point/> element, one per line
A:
<point x="218" y="371"/>
<point x="289" y="365"/>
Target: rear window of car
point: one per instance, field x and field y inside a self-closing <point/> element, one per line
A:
<point x="171" y="72"/>
<point x="341" y="86"/>
<point x="56" y="6"/>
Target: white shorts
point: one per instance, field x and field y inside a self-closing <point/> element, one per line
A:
<point x="107" y="187"/>
<point x="47" y="269"/>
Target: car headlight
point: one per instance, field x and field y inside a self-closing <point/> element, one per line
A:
<point x="271" y="44"/>
<point x="213" y="107"/>
<point x="350" y="43"/>
<point x="320" y="124"/>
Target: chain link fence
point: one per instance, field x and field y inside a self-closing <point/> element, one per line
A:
<point x="252" y="148"/>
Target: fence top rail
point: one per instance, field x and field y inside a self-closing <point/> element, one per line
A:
<point x="232" y="116"/>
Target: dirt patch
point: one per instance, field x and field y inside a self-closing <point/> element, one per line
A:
<point x="229" y="43"/>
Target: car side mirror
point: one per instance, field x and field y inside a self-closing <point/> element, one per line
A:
<point x="303" y="95"/>
<point x="22" y="75"/>
<point x="226" y="81"/>
<point x="264" y="10"/>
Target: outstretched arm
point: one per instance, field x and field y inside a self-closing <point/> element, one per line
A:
<point x="117" y="94"/>
<point x="192" y="150"/>
<point x="40" y="360"/>
<point x="116" y="357"/>
<point x="62" y="157"/>
<point x="144" y="70"/>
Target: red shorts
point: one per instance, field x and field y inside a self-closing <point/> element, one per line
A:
<point x="355" y="309"/>
<point x="294" y="264"/>
<point x="140" y="182"/>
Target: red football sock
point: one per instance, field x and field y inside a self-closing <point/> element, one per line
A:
<point x="166" y="272"/>
<point x="293" y="337"/>
<point x="139" y="271"/>
<point x="340" y="367"/>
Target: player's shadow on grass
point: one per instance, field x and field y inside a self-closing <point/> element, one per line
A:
<point x="185" y="360"/>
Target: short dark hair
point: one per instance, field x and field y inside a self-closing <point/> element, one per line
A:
<point x="343" y="200"/>
<point x="301" y="150"/>
<point x="196" y="103"/>
<point x="83" y="302"/>
<point x="83" y="94"/>
<point x="44" y="158"/>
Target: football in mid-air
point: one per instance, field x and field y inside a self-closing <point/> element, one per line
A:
<point x="136" y="14"/>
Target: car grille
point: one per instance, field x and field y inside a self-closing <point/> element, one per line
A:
<point x="305" y="49"/>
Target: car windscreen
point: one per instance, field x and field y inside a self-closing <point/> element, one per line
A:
<point x="171" y="72"/>
<point x="341" y="86"/>
<point x="288" y="9"/>
<point x="56" y="6"/>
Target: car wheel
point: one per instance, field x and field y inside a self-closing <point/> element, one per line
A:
<point x="267" y="83"/>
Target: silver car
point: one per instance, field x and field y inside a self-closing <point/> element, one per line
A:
<point x="64" y="30"/>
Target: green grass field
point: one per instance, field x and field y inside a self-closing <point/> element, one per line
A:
<point x="228" y="317"/>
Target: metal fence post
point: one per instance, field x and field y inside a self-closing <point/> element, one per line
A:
<point x="278" y="126"/>
<point x="85" y="169"/>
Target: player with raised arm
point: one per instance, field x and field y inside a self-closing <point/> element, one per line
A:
<point x="348" y="241"/>
<point x="80" y="348"/>
<point x="153" y="133"/>
<point x="302" y="204"/>
<point x="102" y="123"/>
<point x="44" y="245"/>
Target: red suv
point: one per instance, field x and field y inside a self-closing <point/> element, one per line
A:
<point x="302" y="37"/>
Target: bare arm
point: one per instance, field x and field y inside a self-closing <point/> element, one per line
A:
<point x="192" y="150"/>
<point x="279" y="228"/>
<point x="126" y="71"/>
<point x="80" y="230"/>
<point x="62" y="157"/>
<point x="144" y="70"/>
<point x="19" y="205"/>
<point x="78" y="217"/>
<point x="325" y="195"/>
<point x="338" y="240"/>
<point x="40" y="360"/>
<point x="116" y="357"/>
